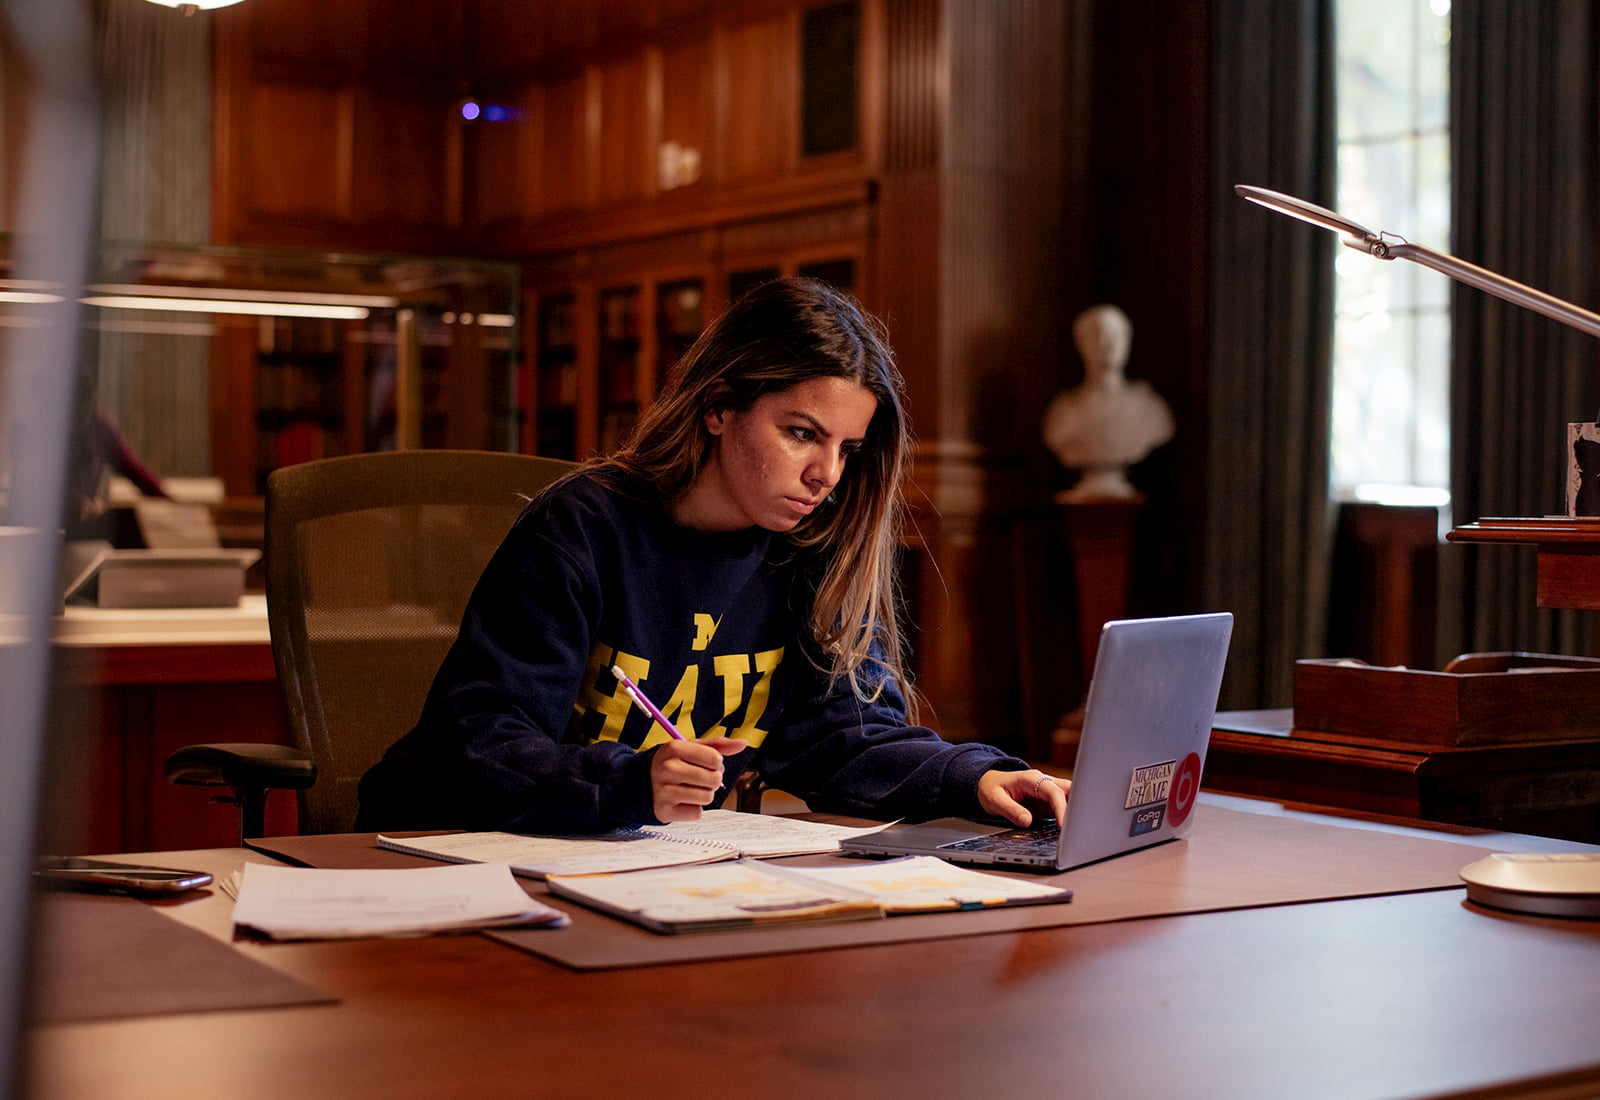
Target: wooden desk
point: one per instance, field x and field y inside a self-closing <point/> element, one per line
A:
<point x="1406" y="995"/>
<point x="138" y="684"/>
<point x="1547" y="788"/>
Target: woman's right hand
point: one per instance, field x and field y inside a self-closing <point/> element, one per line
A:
<point x="686" y="775"/>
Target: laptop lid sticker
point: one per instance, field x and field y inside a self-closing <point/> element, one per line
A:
<point x="1149" y="784"/>
<point x="1147" y="820"/>
<point x="1184" y="788"/>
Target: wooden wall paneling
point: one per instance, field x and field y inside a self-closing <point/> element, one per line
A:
<point x="623" y="18"/>
<point x="626" y="153"/>
<point x="503" y="181"/>
<point x="564" y="146"/>
<point x="686" y="107"/>
<point x="408" y="141"/>
<point x="283" y="119"/>
<point x="872" y="62"/>
<point x="758" y="85"/>
<point x="336" y="124"/>
<point x="229" y="58"/>
<point x="567" y="27"/>
<point x="297" y="165"/>
<point x="505" y="35"/>
<point x="420" y="40"/>
<point x="328" y="32"/>
<point x="401" y="155"/>
<point x="672" y="12"/>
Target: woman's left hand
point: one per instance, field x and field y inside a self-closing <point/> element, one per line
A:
<point x="1003" y="794"/>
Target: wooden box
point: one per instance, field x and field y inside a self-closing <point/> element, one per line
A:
<point x="1479" y="699"/>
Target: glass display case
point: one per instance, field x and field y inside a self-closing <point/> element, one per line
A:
<point x="230" y="362"/>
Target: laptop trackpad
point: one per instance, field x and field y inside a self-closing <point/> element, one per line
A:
<point x="937" y="833"/>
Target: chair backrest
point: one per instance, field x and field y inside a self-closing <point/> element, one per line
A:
<point x="370" y="560"/>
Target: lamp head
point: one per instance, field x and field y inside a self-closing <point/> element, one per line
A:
<point x="1354" y="234"/>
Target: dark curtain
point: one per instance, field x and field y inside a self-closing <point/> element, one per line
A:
<point x="1271" y="317"/>
<point x="1526" y="184"/>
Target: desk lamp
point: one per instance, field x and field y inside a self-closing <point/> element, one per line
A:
<point x="1389" y="246"/>
<point x="1564" y="884"/>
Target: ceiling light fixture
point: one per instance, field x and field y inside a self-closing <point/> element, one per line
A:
<point x="189" y="7"/>
<point x="198" y="305"/>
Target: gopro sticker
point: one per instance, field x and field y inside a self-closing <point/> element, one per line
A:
<point x="1149" y="784"/>
<point x="1147" y="820"/>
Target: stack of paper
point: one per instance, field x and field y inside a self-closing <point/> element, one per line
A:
<point x="306" y="903"/>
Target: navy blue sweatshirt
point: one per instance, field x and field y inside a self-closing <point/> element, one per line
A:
<point x="526" y="729"/>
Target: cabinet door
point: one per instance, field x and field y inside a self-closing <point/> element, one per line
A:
<point x="680" y="316"/>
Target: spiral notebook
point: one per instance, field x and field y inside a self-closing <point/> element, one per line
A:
<point x="718" y="835"/>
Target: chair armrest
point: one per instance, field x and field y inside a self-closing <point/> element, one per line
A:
<point x="255" y="766"/>
<point x="747" y="792"/>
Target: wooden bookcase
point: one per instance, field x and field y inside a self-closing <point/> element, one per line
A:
<point x="596" y="351"/>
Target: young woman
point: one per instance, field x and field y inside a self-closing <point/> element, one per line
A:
<point x="736" y="561"/>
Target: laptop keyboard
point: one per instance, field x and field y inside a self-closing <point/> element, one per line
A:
<point x="1036" y="840"/>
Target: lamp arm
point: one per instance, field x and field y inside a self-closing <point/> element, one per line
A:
<point x="1488" y="281"/>
<point x="1386" y="246"/>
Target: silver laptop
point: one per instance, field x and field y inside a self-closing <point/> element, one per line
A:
<point x="1146" y="726"/>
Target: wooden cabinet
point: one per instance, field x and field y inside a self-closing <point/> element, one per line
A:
<point x="598" y="349"/>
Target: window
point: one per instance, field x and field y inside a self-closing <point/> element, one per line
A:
<point x="1391" y="347"/>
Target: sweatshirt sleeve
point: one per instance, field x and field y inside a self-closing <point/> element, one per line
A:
<point x="491" y="749"/>
<point x="850" y="756"/>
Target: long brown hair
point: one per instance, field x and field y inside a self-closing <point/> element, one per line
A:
<point x="780" y="334"/>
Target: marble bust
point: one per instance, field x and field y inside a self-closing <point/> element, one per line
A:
<point x="1106" y="423"/>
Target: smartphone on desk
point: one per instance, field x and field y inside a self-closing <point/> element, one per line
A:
<point x="104" y="877"/>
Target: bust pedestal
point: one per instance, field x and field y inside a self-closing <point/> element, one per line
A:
<point x="1099" y="533"/>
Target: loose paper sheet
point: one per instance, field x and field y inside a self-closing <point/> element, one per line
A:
<point x="292" y="903"/>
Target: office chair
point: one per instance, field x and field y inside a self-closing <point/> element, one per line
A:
<point x="370" y="559"/>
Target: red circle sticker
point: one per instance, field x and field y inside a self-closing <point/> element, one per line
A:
<point x="1185" y="785"/>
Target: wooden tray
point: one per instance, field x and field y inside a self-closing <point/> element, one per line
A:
<point x="1479" y="699"/>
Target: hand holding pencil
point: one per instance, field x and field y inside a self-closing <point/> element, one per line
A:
<point x="685" y="776"/>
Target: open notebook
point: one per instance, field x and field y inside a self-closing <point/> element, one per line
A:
<point x="752" y="894"/>
<point x="718" y="835"/>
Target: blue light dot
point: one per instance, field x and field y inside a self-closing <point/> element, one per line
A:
<point x="469" y="110"/>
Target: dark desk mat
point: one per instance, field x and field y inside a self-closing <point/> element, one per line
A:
<point x="102" y="958"/>
<point x="1230" y="860"/>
